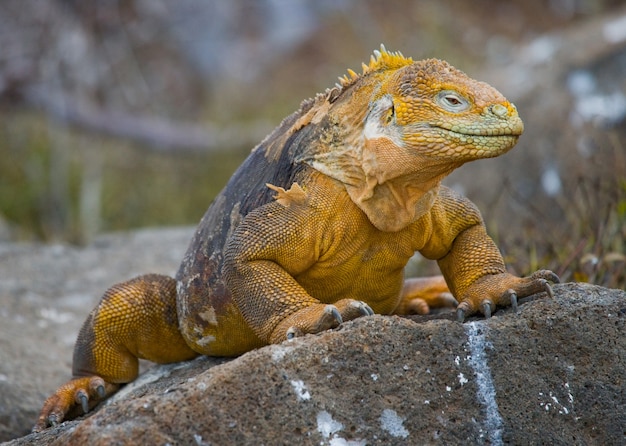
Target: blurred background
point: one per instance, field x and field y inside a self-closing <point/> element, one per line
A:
<point x="125" y="114"/>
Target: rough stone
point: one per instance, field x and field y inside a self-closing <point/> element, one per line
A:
<point x="46" y="292"/>
<point x="554" y="373"/>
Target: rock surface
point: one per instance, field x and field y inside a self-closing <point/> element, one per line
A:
<point x="46" y="292"/>
<point x="554" y="373"/>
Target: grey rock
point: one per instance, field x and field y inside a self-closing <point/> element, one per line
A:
<point x="553" y="373"/>
<point x="46" y="292"/>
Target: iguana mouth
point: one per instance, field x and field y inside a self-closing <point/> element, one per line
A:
<point x="483" y="133"/>
<point x="472" y="145"/>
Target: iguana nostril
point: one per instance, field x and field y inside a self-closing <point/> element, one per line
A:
<point x="499" y="110"/>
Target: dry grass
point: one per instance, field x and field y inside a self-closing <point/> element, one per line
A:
<point x="583" y="236"/>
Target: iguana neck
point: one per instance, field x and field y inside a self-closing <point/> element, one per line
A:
<point x="395" y="204"/>
<point x="392" y="204"/>
<point x="392" y="191"/>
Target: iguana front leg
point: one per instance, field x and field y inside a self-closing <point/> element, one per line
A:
<point x="476" y="274"/>
<point x="274" y="305"/>
<point x="271" y="247"/>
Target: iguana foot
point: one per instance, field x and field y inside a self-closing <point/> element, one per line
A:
<point x="420" y="294"/>
<point x="503" y="290"/>
<point x="319" y="317"/>
<point x="84" y="392"/>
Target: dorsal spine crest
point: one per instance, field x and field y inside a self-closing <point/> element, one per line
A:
<point x="379" y="61"/>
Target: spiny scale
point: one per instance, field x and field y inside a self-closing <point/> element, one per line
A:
<point x="380" y="60"/>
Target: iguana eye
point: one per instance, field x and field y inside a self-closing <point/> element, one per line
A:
<point x="452" y="101"/>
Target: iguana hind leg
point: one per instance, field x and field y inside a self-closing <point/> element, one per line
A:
<point x="420" y="294"/>
<point x="135" y="319"/>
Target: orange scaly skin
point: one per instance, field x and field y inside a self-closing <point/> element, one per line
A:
<point x="315" y="228"/>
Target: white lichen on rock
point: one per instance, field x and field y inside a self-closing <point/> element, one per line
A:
<point x="392" y="423"/>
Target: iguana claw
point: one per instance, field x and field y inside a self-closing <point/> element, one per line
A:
<point x="331" y="317"/>
<point x="334" y="312"/>
<point x="512" y="295"/>
<point x="460" y="315"/>
<point x="548" y="289"/>
<point x="293" y="332"/>
<point x="101" y="390"/>
<point x="52" y="420"/>
<point x="486" y="307"/>
<point x="83" y="399"/>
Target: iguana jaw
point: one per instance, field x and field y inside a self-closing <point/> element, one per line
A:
<point x="498" y="133"/>
<point x="491" y="133"/>
<point x="464" y="147"/>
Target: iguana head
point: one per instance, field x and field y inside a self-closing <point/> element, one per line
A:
<point x="392" y="133"/>
<point x="438" y="111"/>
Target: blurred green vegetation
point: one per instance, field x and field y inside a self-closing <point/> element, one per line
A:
<point x="59" y="184"/>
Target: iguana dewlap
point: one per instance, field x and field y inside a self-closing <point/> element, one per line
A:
<point x="316" y="227"/>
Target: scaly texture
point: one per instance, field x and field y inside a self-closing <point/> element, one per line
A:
<point x="316" y="226"/>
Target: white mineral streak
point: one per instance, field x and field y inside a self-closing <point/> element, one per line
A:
<point x="338" y="441"/>
<point x="301" y="391"/>
<point x="486" y="390"/>
<point x="279" y="352"/>
<point x="391" y="422"/>
<point x="326" y="425"/>
<point x="462" y="379"/>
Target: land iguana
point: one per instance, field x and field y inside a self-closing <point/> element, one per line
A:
<point x="316" y="227"/>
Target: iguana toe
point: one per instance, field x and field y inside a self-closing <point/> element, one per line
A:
<point x="366" y="309"/>
<point x="331" y="318"/>
<point x="416" y="306"/>
<point x="318" y="318"/>
<point x="311" y="319"/>
<point x="363" y="308"/>
<point x="547" y="275"/>
<point x="420" y="294"/>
